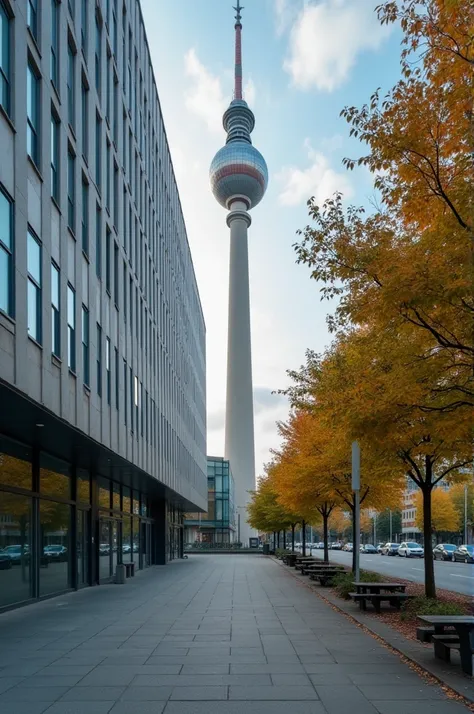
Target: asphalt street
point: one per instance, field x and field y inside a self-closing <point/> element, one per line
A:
<point x="457" y="577"/>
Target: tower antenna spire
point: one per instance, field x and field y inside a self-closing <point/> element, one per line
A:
<point x="238" y="51"/>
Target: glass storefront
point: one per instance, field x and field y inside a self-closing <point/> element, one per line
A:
<point x="46" y="526"/>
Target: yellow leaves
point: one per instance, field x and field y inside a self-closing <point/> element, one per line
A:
<point x="444" y="517"/>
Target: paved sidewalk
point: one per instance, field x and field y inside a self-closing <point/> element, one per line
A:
<point x="210" y="635"/>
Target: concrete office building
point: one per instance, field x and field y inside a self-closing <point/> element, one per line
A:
<point x="239" y="179"/>
<point x="102" y="337"/>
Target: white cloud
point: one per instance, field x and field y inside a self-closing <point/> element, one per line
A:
<point x="286" y="12"/>
<point x="205" y="97"/>
<point x="327" y="37"/>
<point x="319" y="179"/>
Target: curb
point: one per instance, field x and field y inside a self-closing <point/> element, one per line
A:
<point x="414" y="652"/>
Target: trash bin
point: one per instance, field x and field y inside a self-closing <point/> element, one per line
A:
<point x="266" y="548"/>
<point x="120" y="574"/>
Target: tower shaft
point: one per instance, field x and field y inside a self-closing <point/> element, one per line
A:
<point x="239" y="427"/>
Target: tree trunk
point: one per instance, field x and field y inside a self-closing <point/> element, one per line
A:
<point x="303" y="527"/>
<point x="284" y="539"/>
<point x="278" y="539"/>
<point x="430" y="586"/>
<point x="292" y="537"/>
<point x="274" y="540"/>
<point x="325" y="534"/>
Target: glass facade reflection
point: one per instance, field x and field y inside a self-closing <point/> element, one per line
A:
<point x="47" y="512"/>
<point x="218" y="525"/>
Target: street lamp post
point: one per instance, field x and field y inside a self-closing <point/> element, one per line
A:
<point x="390" y="525"/>
<point x="356" y="490"/>
<point x="465" y="514"/>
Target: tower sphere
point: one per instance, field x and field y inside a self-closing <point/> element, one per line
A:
<point x="238" y="169"/>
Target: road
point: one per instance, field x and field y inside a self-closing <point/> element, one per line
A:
<point x="457" y="577"/>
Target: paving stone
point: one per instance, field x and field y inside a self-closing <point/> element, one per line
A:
<point x="24" y="707"/>
<point x="32" y="694"/>
<point x="401" y="691"/>
<point x="288" y="680"/>
<point x="271" y="693"/>
<point x="51" y="681"/>
<point x="194" y="694"/>
<point x="207" y="668"/>
<point x="417" y="707"/>
<point x="273" y="707"/>
<point x="9" y="682"/>
<point x="93" y="694"/>
<point x="147" y="694"/>
<point x="131" y="708"/>
<point x="344" y="698"/>
<point x="80" y="708"/>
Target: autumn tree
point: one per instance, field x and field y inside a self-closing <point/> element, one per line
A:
<point x="266" y="514"/>
<point x="384" y="532"/>
<point x="444" y="517"/>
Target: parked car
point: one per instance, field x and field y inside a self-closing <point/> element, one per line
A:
<point x="444" y="551"/>
<point x="390" y="549"/>
<point x="104" y="549"/>
<point x="320" y="546"/>
<point x="410" y="550"/>
<point x="368" y="548"/>
<point x="15" y="552"/>
<point x="126" y="549"/>
<point x="379" y="547"/>
<point x="336" y="546"/>
<point x="5" y="561"/>
<point x="464" y="554"/>
<point x="55" y="552"/>
<point x="348" y="547"/>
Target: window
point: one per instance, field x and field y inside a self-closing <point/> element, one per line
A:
<point x="98" y="154"/>
<point x="125" y="392"/>
<point x="107" y="367"/>
<point x="71" y="85"/>
<point x="116" y="195"/>
<point x="107" y="177"/>
<point x="6" y="251"/>
<point x="54" y="57"/>
<point x="55" y="158"/>
<point x="99" y="360"/>
<point x="71" y="328"/>
<point x="32" y="89"/>
<point x="116" y="274"/>
<point x="98" y="54"/>
<point x="32" y="17"/>
<point x="107" y="260"/>
<point x="85" y="346"/>
<point x="98" y="242"/>
<point x="34" y="287"/>
<point x="71" y="190"/>
<point x="108" y="77"/>
<point x="84" y="18"/>
<point x="85" y="119"/>
<point x="117" y="380"/>
<point x="4" y="58"/>
<point x="124" y="290"/>
<point x="85" y="216"/>
<point x="55" y="314"/>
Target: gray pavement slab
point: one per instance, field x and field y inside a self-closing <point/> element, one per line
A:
<point x="210" y="635"/>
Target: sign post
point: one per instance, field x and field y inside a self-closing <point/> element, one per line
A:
<point x="356" y="490"/>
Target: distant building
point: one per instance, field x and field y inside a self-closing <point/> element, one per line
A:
<point x="409" y="529"/>
<point x="218" y="525"/>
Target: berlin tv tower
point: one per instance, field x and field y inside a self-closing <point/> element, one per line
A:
<point x="239" y="178"/>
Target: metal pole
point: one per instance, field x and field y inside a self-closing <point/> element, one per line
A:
<point x="375" y="529"/>
<point x="465" y="514"/>
<point x="238" y="527"/>
<point x="390" y="526"/>
<point x="311" y="546"/>
<point x="356" y="490"/>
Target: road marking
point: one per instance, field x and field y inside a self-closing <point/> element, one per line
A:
<point x="422" y="569"/>
<point x="469" y="577"/>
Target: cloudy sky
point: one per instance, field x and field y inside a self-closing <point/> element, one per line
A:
<point x="304" y="60"/>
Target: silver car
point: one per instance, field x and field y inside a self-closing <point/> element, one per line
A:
<point x="411" y="550"/>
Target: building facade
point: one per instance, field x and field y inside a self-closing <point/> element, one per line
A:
<point x="102" y="336"/>
<point x="218" y="525"/>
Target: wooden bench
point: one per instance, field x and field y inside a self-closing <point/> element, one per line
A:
<point x="393" y="598"/>
<point x="444" y="640"/>
<point x="443" y="644"/>
<point x="324" y="576"/>
<point x="129" y="570"/>
<point x="308" y="569"/>
<point x="424" y="634"/>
